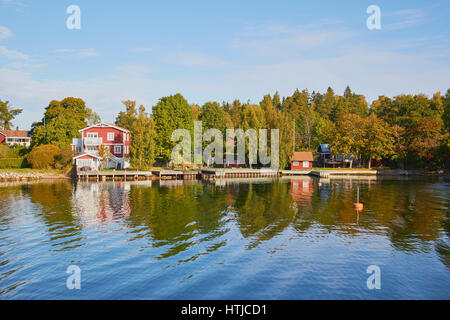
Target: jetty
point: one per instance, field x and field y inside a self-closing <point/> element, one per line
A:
<point x="216" y="173"/>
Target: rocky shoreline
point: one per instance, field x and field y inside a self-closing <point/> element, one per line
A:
<point x="29" y="176"/>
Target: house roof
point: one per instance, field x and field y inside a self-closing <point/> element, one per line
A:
<point x="15" y="133"/>
<point x="324" y="148"/>
<point x="86" y="154"/>
<point x="105" y="124"/>
<point x="302" y="156"/>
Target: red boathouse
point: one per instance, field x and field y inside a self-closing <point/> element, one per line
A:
<point x="302" y="161"/>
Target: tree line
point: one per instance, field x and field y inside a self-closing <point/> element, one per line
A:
<point x="406" y="131"/>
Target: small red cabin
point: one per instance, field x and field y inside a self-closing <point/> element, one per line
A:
<point x="302" y="161"/>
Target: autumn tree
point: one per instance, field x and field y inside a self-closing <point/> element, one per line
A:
<point x="349" y="135"/>
<point x="377" y="139"/>
<point x="104" y="152"/>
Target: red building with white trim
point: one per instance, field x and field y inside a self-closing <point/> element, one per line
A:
<point x="116" y="138"/>
<point x="302" y="161"/>
<point x="18" y="137"/>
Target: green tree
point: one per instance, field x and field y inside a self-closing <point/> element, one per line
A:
<point x="213" y="116"/>
<point x="142" y="149"/>
<point x="170" y="113"/>
<point x="7" y="114"/>
<point x="446" y="112"/>
<point x="126" y="118"/>
<point x="61" y="122"/>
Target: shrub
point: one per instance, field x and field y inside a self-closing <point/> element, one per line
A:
<point x="43" y="156"/>
<point x="63" y="159"/>
<point x="5" y="151"/>
<point x="12" y="163"/>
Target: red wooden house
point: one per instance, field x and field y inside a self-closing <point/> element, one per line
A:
<point x="12" y="137"/>
<point x="302" y="161"/>
<point x="116" y="138"/>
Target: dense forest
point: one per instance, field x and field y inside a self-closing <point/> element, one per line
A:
<point x="406" y="131"/>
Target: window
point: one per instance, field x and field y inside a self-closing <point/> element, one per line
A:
<point x="110" y="136"/>
<point x="92" y="148"/>
<point x="84" y="163"/>
<point x="305" y="164"/>
<point x="295" y="164"/>
<point x="92" y="135"/>
<point x="117" y="149"/>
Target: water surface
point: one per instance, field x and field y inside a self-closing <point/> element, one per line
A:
<point x="248" y="239"/>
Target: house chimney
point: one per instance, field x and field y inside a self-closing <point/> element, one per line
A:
<point x="17" y="128"/>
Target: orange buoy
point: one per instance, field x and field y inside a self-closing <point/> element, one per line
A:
<point x="358" y="206"/>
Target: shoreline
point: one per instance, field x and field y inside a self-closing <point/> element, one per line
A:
<point x="12" y="176"/>
<point x="37" y="175"/>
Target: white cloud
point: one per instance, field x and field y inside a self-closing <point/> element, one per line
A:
<point x="5" y="33"/>
<point x="12" y="54"/>
<point x="368" y="71"/>
<point x="404" y="18"/>
<point x="16" y="4"/>
<point x="278" y="40"/>
<point x="82" y="53"/>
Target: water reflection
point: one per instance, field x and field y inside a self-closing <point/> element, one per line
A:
<point x="181" y="221"/>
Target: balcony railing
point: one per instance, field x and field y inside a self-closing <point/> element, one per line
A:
<point x="93" y="141"/>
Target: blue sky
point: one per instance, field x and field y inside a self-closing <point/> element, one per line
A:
<point x="211" y="50"/>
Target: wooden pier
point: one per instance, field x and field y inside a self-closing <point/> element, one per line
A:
<point x="115" y="175"/>
<point x="213" y="174"/>
<point x="208" y="174"/>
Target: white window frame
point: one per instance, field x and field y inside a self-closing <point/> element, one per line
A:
<point x="296" y="164"/>
<point x="111" y="134"/>
<point x="85" y="163"/>
<point x="305" y="164"/>
<point x="119" y="148"/>
<point x="91" y="134"/>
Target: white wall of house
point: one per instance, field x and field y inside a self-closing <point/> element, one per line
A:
<point x="20" y="141"/>
<point x="91" y="163"/>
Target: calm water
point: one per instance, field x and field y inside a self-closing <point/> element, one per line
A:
<point x="250" y="239"/>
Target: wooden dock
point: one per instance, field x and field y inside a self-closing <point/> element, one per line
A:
<point x="168" y="174"/>
<point x="208" y="174"/>
<point x="115" y="175"/>
<point x="213" y="174"/>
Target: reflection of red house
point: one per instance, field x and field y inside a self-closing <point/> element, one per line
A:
<point x="302" y="189"/>
<point x="302" y="161"/>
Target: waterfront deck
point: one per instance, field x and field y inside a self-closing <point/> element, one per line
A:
<point x="113" y="175"/>
<point x="208" y="174"/>
<point x="212" y="174"/>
